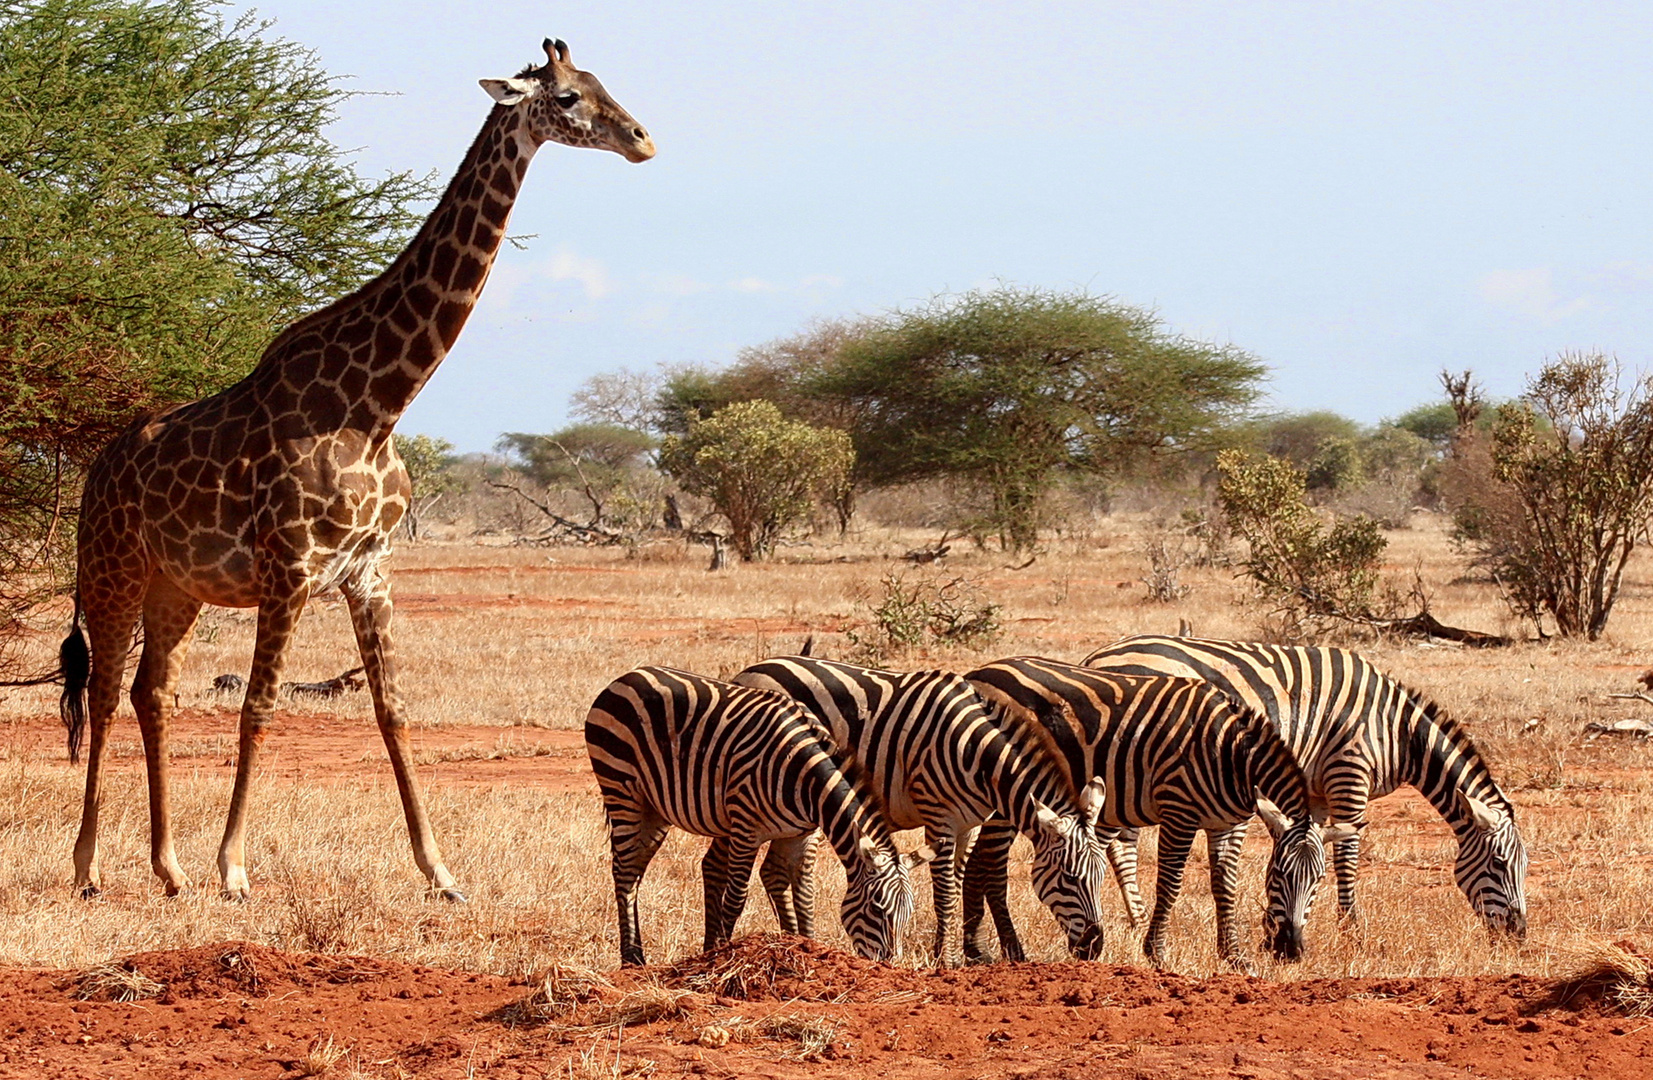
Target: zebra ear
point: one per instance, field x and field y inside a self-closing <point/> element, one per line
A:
<point x="868" y="848"/>
<point x="1092" y="799"/>
<point x="1048" y="819"/>
<point x="919" y="857"/>
<point x="1277" y="822"/>
<point x="1343" y="830"/>
<point x="1486" y="817"/>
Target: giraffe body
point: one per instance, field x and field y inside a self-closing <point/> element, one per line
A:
<point x="287" y="484"/>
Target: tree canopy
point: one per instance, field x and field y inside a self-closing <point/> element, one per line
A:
<point x="168" y="200"/>
<point x="1005" y="388"/>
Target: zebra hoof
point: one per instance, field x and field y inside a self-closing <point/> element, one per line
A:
<point x="453" y="895"/>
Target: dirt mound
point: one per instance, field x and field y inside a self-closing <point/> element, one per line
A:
<point x="789" y="1008"/>
<point x="243" y="968"/>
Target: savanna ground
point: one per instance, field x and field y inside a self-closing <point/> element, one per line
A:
<point x="340" y="964"/>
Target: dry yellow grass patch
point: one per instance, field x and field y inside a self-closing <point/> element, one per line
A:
<point x="517" y="636"/>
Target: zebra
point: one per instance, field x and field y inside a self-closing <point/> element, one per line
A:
<point x="672" y="748"/>
<point x="1172" y="752"/>
<point x="938" y="760"/>
<point x="1359" y="734"/>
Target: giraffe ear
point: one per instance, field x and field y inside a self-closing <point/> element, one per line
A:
<point x="510" y="91"/>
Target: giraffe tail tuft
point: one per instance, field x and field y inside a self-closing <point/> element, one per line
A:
<point x="75" y="660"/>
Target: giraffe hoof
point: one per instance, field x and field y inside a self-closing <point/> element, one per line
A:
<point x="91" y="892"/>
<point x="236" y="896"/>
<point x="453" y="895"/>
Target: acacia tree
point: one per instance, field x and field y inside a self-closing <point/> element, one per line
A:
<point x="168" y="200"/>
<point x="606" y="464"/>
<point x="1570" y="493"/>
<point x="1007" y="388"/>
<point x="760" y="470"/>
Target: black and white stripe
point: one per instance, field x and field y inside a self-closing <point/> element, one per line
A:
<point x="1172" y="752"/>
<point x="938" y="760"/>
<point x="1359" y="734"/>
<point x="671" y="748"/>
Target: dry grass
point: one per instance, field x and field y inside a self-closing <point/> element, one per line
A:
<point x="1622" y="976"/>
<point x="505" y="637"/>
<point x="321" y="1057"/>
<point x="116" y="982"/>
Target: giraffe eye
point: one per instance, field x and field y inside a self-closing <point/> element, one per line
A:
<point x="567" y="100"/>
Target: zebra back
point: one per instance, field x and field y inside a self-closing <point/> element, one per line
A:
<point x="902" y="726"/>
<point x="1359" y="734"/>
<point x="1142" y="734"/>
<point x="717" y="759"/>
<point x="937" y="758"/>
<point x="672" y="748"/>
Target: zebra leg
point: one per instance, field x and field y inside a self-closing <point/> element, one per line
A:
<point x="1224" y="850"/>
<point x="1120" y="846"/>
<point x="944" y="889"/>
<point x="788" y="876"/>
<point x="633" y="845"/>
<point x="738" y="877"/>
<point x="1176" y="839"/>
<point x="714" y="878"/>
<point x="1346" y="863"/>
<point x="984" y="883"/>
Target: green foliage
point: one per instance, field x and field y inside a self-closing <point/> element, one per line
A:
<point x="1570" y="492"/>
<point x="1310" y="572"/>
<point x="1434" y="423"/>
<point x="429" y="462"/>
<point x="1006" y="388"/>
<point x="905" y="615"/>
<point x="790" y="372"/>
<point x="1335" y="466"/>
<point x="1298" y="437"/>
<point x="762" y="472"/>
<point x="168" y="200"/>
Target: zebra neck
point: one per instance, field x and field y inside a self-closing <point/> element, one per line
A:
<point x="1441" y="762"/>
<point x="828" y="796"/>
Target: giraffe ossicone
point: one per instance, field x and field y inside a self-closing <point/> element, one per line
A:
<point x="287" y="484"/>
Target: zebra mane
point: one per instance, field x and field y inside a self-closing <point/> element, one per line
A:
<point x="1472" y="764"/>
<point x="1258" y="734"/>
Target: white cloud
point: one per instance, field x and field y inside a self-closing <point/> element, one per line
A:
<point x="754" y="285"/>
<point x="591" y="275"/>
<point x="1531" y="293"/>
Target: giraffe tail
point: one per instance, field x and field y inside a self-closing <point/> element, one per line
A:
<point x="75" y="661"/>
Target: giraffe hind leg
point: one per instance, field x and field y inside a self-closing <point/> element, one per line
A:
<point x="109" y="625"/>
<point x="169" y="616"/>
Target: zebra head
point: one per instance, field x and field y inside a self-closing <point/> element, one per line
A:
<point x="879" y="898"/>
<point x="1070" y="869"/>
<point x="1492" y="865"/>
<point x="1294" y="873"/>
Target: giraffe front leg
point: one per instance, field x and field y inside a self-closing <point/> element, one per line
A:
<point x="110" y="632"/>
<point x="276" y="622"/>
<point x="169" y="615"/>
<point x="370" y="614"/>
<point x="1175" y="841"/>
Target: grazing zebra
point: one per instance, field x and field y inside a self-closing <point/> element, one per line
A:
<point x="671" y="748"/>
<point x="939" y="761"/>
<point x="1359" y="735"/>
<point x="1172" y="752"/>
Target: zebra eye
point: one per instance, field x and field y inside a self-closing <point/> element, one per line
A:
<point x="567" y="100"/>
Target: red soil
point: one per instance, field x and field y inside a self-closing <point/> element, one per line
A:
<point x="237" y="1009"/>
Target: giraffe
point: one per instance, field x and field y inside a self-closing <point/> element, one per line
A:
<point x="287" y="484"/>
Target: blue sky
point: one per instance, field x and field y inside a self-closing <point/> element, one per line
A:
<point x="1358" y="193"/>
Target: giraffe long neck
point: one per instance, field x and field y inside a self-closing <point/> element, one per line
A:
<point x="379" y="345"/>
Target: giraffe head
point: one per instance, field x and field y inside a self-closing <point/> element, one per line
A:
<point x="569" y="106"/>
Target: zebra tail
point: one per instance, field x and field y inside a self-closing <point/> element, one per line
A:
<point x="75" y="662"/>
